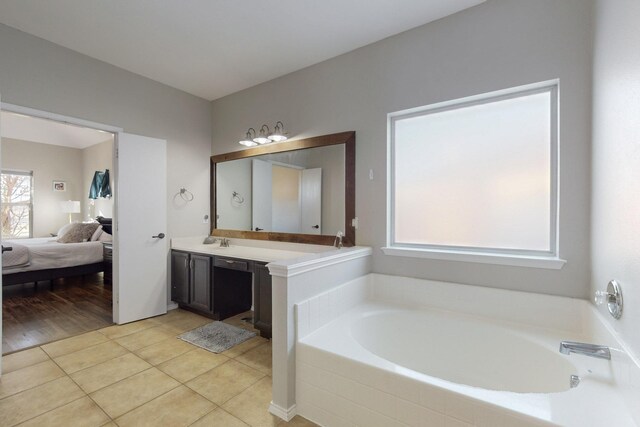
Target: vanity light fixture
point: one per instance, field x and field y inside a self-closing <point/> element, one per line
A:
<point x="265" y="136"/>
<point x="248" y="141"/>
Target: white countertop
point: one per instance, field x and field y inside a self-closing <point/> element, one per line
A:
<point x="247" y="249"/>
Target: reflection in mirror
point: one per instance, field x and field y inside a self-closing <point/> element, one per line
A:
<point x="300" y="191"/>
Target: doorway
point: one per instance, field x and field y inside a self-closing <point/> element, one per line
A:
<point x="54" y="289"/>
<point x="139" y="249"/>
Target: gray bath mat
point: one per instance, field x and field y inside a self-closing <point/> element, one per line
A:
<point x="216" y="336"/>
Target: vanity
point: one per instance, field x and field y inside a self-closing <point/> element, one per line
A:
<point x="277" y="202"/>
<point x="221" y="282"/>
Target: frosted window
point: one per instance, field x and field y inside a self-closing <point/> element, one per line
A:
<point x="475" y="176"/>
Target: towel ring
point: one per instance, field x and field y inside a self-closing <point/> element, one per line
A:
<point x="237" y="198"/>
<point x="186" y="195"/>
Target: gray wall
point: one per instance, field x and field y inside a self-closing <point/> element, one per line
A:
<point x="616" y="159"/>
<point x="38" y="74"/>
<point x="496" y="45"/>
<point x="48" y="163"/>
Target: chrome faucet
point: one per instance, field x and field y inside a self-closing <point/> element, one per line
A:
<point x="224" y="243"/>
<point x="592" y="350"/>
<point x="338" y="240"/>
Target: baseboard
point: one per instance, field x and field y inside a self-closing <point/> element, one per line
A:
<point x="172" y="306"/>
<point x="285" y="414"/>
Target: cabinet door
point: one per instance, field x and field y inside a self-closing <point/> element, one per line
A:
<point x="200" y="283"/>
<point x="180" y="277"/>
<point x="262" y="302"/>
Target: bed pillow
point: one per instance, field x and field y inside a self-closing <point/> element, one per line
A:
<point x="78" y="233"/>
<point x="105" y="237"/>
<point x="64" y="229"/>
<point x="96" y="234"/>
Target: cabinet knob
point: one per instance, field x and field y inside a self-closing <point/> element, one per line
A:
<point x="159" y="236"/>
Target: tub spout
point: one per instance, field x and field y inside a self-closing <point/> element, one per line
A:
<point x="592" y="350"/>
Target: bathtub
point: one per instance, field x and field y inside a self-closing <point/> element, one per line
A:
<point x="390" y="351"/>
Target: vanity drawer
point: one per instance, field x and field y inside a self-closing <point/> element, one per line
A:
<point x="233" y="263"/>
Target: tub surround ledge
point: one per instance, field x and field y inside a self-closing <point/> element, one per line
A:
<point x="294" y="267"/>
<point x="248" y="249"/>
<point x="293" y="281"/>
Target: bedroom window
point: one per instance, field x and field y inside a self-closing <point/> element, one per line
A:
<point x="475" y="179"/>
<point x="17" y="204"/>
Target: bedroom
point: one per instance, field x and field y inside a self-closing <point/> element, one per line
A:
<point x="53" y="290"/>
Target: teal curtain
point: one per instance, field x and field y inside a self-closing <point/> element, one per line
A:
<point x="100" y="186"/>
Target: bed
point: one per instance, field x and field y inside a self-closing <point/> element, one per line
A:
<point x="46" y="259"/>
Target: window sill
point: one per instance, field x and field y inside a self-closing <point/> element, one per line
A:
<point x="551" y="263"/>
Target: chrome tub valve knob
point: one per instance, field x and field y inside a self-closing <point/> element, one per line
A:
<point x="612" y="297"/>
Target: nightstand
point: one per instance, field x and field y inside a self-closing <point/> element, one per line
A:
<point x="107" y="259"/>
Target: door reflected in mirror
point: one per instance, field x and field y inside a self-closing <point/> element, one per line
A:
<point x="299" y="191"/>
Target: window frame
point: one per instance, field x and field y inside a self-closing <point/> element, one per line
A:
<point x="28" y="204"/>
<point x="518" y="257"/>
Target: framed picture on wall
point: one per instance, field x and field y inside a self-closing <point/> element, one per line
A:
<point x="59" y="186"/>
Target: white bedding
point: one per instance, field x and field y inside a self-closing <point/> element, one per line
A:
<point x="46" y="253"/>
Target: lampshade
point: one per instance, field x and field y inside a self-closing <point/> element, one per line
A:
<point x="247" y="141"/>
<point x="278" y="134"/>
<point x="70" y="206"/>
<point x="262" y="138"/>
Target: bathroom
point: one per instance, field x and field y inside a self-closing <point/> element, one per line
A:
<point x="494" y="46"/>
<point x="383" y="331"/>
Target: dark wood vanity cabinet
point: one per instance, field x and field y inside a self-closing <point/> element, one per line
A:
<point x="180" y="277"/>
<point x="262" y="299"/>
<point x="221" y="287"/>
<point x="200" y="283"/>
<point x="191" y="281"/>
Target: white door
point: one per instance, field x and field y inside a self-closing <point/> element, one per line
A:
<point x="311" y="201"/>
<point x="140" y="247"/>
<point x="261" y="195"/>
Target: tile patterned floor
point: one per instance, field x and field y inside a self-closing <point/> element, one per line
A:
<point x="140" y="374"/>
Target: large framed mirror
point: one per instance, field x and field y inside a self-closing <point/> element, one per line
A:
<point x="300" y="191"/>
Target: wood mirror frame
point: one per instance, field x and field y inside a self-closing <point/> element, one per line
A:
<point x="346" y="138"/>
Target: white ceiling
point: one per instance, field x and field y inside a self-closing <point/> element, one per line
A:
<point x="25" y="128"/>
<point x="212" y="48"/>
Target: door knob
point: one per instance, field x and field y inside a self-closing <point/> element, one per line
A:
<point x="159" y="236"/>
<point x="315" y="226"/>
<point x="6" y="249"/>
<point x="259" y="229"/>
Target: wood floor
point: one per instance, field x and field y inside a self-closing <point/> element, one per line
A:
<point x="33" y="316"/>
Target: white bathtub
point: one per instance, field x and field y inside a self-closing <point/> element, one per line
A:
<point x="391" y="356"/>
<point x="464" y="349"/>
